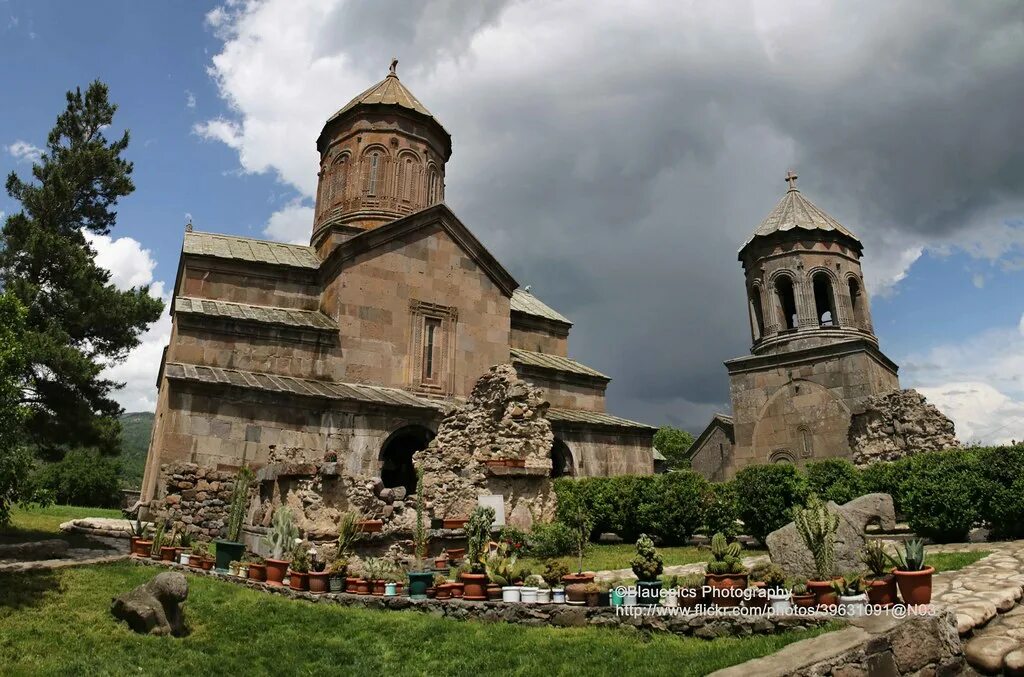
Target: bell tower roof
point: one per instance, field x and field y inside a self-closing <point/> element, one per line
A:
<point x="796" y="212"/>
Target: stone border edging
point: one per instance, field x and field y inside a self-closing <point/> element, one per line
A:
<point x="558" y="615"/>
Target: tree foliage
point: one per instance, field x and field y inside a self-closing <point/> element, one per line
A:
<point x="76" y="321"/>
<point x="675" y="444"/>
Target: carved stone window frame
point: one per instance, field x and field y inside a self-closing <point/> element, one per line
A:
<point x="447" y="316"/>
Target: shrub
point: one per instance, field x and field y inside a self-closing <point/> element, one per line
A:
<point x="550" y="540"/>
<point x="766" y="495"/>
<point x="82" y="477"/>
<point x="719" y="510"/>
<point x="672" y="509"/>
<point x="886" y="478"/>
<point x="1002" y="474"/>
<point x="834" y="479"/>
<point x="942" y="494"/>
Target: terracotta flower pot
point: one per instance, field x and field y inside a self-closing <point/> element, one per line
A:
<point x="166" y="554"/>
<point x="805" y="600"/>
<point x="475" y="586"/>
<point x="493" y="591"/>
<point x="690" y="598"/>
<point x="257" y="572"/>
<point x="206" y="564"/>
<point x="592" y="598"/>
<point x="455" y="523"/>
<point x="441" y="563"/>
<point x="431" y="592"/>
<point x="370" y="526"/>
<point x="351" y="583"/>
<point x="758" y="596"/>
<point x="276" y="569"/>
<point x="458" y="590"/>
<point x="142" y="547"/>
<point x="574" y="586"/>
<point x="298" y="580"/>
<point x="444" y="591"/>
<point x="882" y="591"/>
<point x="455" y="554"/>
<point x="915" y="586"/>
<point x="362" y="587"/>
<point x="824" y="595"/>
<point x="726" y="588"/>
<point x="378" y="587"/>
<point x="319" y="581"/>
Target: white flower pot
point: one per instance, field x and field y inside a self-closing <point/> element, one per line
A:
<point x="511" y="593"/>
<point x="183" y="559"/>
<point x="780" y="602"/>
<point x="243" y="571"/>
<point x="232" y="570"/>
<point x="528" y="595"/>
<point x="854" y="605"/>
<point x="629" y="599"/>
<point x="390" y="589"/>
<point x="558" y="595"/>
<point x="543" y="595"/>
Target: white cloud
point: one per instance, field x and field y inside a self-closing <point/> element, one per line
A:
<point x="190" y="99"/>
<point x="292" y="223"/>
<point x="131" y="265"/>
<point x="981" y="413"/>
<point x="23" y="151"/>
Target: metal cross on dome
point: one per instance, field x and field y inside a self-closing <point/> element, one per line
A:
<point x="394" y="66"/>
<point x="791" y="179"/>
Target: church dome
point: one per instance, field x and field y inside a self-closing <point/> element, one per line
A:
<point x="794" y="212"/>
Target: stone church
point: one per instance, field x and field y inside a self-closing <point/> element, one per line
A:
<point x="816" y="384"/>
<point x="357" y="344"/>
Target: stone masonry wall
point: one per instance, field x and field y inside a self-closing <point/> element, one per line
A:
<point x="898" y="424"/>
<point x="194" y="499"/>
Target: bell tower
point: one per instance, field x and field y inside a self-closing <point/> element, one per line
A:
<point x="382" y="157"/>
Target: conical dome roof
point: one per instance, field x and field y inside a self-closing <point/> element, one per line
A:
<point x="389" y="92"/>
<point x="795" y="212"/>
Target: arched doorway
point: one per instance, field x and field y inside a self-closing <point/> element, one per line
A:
<point x="561" y="460"/>
<point x="396" y="468"/>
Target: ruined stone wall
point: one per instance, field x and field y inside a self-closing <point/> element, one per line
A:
<point x="502" y="421"/>
<point x="897" y="424"/>
<point x="195" y="499"/>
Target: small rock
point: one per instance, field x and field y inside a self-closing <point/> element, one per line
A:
<point x="987" y="653"/>
<point x="1013" y="662"/>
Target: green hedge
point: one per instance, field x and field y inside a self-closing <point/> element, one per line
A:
<point x="82" y="477"/>
<point x="942" y="495"/>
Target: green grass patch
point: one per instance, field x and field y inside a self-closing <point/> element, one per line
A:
<point x="951" y="561"/>
<point x="606" y="557"/>
<point x="36" y="524"/>
<point x="58" y="623"/>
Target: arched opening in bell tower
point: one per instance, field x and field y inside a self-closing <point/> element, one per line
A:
<point x="757" y="312"/>
<point x="824" y="300"/>
<point x="787" y="302"/>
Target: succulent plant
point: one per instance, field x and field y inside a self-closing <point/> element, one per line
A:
<point x="239" y="502"/>
<point x="726" y="556"/>
<point x="647" y="565"/>
<point x="850" y="585"/>
<point x="478" y="535"/>
<point x="876" y="559"/>
<point x="912" y="557"/>
<point x="283" y="533"/>
<point x="817" y="527"/>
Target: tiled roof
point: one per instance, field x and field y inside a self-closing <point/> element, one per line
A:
<point x="545" y="361"/>
<point x="298" y="386"/>
<point x="525" y="302"/>
<point x="266" y="314"/>
<point x="249" y="249"/>
<point x="391" y="91"/>
<point x="593" y="418"/>
<point x="794" y="211"/>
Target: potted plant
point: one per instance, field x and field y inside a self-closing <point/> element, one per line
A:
<point x="185" y="549"/>
<point x="441" y="589"/>
<point x="912" y="576"/>
<point x="851" y="592"/>
<point x="880" y="581"/>
<point x="478" y="537"/>
<point x="298" y="569"/>
<point x="441" y="561"/>
<point x="543" y="590"/>
<point x="281" y="541"/>
<point x="243" y="567"/>
<point x="457" y="587"/>
<point x="207" y="562"/>
<point x="140" y="546"/>
<point x="375" y="570"/>
<point x="802" y="597"/>
<point x="257" y="569"/>
<point x="775" y="587"/>
<point x="725" y="573"/>
<point x="233" y="566"/>
<point x="577" y="519"/>
<point x="168" y="548"/>
<point x="197" y="554"/>
<point x="454" y="522"/>
<point x="690" y="590"/>
<point x="420" y="579"/>
<point x="647" y="566"/>
<point x="336" y="574"/>
<point x="370" y="526"/>
<point x="319" y="577"/>
<point x="232" y="548"/>
<point x="359" y="581"/>
<point x="630" y="592"/>
<point x="817" y="526"/>
<point x="531" y="587"/>
<point x="591" y="593"/>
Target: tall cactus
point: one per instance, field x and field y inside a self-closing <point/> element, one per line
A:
<point x="817" y="527"/>
<point x="239" y="503"/>
<point x="283" y="533"/>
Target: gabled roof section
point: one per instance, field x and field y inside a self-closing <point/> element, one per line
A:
<point x="289" y="317"/>
<point x="553" y="362"/>
<point x="794" y="212"/>
<point x="528" y="304"/>
<point x="595" y="418"/>
<point x="438" y="214"/>
<point x="722" y="421"/>
<point x="250" y="250"/>
<point x="296" y="386"/>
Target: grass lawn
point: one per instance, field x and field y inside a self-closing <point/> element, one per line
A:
<point x="34" y="524"/>
<point x="951" y="561"/>
<point x="605" y="557"/>
<point x="59" y="623"/>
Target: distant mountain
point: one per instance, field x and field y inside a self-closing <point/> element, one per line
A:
<point x="135" y="432"/>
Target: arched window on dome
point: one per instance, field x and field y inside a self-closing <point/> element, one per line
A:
<point x="786" y="301"/>
<point x="338" y="180"/>
<point x="824" y="300"/>
<point x="433" y="186"/>
<point x="407" y="174"/>
<point x="373" y="166"/>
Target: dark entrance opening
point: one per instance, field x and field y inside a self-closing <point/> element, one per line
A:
<point x="396" y="468"/>
<point x="561" y="460"/>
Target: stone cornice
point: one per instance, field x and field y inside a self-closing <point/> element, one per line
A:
<point x="749" y="363"/>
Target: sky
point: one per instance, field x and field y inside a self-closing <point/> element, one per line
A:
<point x="614" y="157"/>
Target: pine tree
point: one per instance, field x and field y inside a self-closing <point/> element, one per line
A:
<point x="77" y="322"/>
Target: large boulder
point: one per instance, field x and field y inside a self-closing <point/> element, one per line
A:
<point x="155" y="607"/>
<point x="788" y="551"/>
